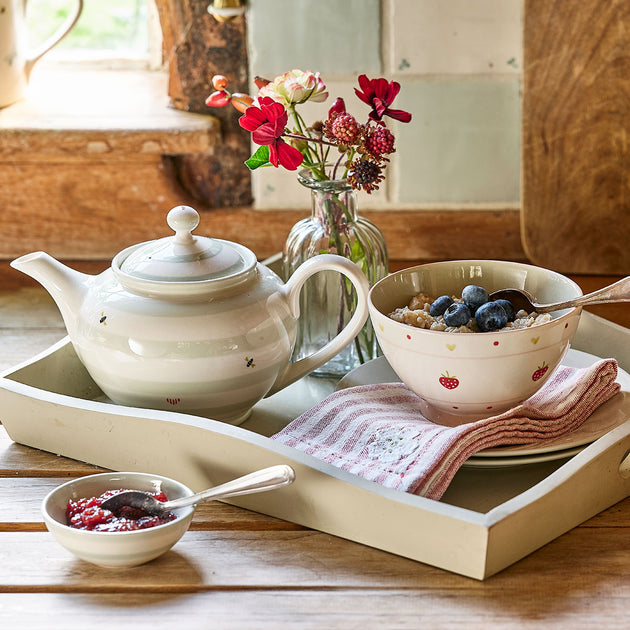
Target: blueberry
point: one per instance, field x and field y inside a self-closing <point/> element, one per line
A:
<point x="490" y="316"/>
<point x="457" y="314"/>
<point x="440" y="305"/>
<point x="474" y="296"/>
<point x="508" y="308"/>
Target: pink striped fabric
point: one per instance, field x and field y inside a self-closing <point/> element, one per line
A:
<point x="378" y="432"/>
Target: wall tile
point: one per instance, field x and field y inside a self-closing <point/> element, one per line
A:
<point x="455" y="36"/>
<point x="325" y="36"/>
<point x="463" y="143"/>
<point x="277" y="189"/>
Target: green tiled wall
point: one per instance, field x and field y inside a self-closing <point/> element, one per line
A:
<point x="458" y="62"/>
<point x="464" y="143"/>
<point x="334" y="37"/>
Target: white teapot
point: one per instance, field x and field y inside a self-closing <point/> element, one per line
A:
<point x="190" y="323"/>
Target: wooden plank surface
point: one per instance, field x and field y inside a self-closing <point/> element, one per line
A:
<point x="576" y="125"/>
<point x="214" y="560"/>
<point x="393" y="609"/>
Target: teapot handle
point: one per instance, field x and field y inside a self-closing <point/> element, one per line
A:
<point x="291" y="291"/>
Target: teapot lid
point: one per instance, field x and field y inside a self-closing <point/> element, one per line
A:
<point x="164" y="265"/>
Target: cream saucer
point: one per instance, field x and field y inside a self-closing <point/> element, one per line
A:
<point x="479" y="461"/>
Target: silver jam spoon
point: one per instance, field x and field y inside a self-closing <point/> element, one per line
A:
<point x="258" y="481"/>
<point x="521" y="299"/>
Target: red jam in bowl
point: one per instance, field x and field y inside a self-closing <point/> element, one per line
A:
<point x="87" y="514"/>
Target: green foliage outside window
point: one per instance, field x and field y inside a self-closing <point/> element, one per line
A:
<point x="111" y="25"/>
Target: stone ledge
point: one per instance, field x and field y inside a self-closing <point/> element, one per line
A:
<point x="72" y="112"/>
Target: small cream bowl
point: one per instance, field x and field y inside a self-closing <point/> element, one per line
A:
<point x="116" y="549"/>
<point x="463" y="377"/>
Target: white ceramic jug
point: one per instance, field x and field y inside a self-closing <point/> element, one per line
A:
<point x="16" y="61"/>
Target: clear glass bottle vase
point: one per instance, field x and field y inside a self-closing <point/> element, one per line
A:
<point x="328" y="300"/>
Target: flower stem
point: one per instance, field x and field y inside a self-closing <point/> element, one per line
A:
<point x="298" y="136"/>
<point x="310" y="157"/>
<point x="348" y="299"/>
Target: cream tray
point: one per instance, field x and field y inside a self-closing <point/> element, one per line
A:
<point x="490" y="517"/>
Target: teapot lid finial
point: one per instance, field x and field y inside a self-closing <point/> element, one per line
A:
<point x="183" y="220"/>
<point x="183" y="263"/>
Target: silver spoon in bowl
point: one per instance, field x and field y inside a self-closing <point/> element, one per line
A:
<point x="521" y="299"/>
<point x="258" y="481"/>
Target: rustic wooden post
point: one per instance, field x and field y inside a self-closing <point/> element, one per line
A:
<point x="576" y="126"/>
<point x="197" y="47"/>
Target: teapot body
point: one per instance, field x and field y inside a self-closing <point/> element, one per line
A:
<point x="191" y="324"/>
<point x="215" y="358"/>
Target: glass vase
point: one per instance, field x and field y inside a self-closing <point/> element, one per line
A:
<point x="328" y="300"/>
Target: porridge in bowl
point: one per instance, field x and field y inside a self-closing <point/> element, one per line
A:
<point x="471" y="312"/>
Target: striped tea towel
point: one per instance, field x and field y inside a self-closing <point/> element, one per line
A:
<point x="378" y="432"/>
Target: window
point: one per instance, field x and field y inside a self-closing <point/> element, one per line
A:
<point x="118" y="31"/>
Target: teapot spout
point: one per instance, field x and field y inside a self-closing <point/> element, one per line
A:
<point x="66" y="286"/>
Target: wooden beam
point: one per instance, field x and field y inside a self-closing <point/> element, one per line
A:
<point x="89" y="233"/>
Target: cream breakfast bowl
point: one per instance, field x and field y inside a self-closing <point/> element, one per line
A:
<point x="466" y="376"/>
<point x="190" y="323"/>
<point x="116" y="549"/>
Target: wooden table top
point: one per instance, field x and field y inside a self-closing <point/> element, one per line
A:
<point x="238" y="569"/>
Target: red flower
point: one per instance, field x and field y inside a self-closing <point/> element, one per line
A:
<point x="379" y="94"/>
<point x="267" y="124"/>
